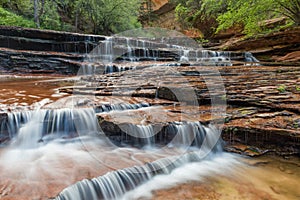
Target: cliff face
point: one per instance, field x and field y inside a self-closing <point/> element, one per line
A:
<point x="157" y="4"/>
<point x="163" y="16"/>
<point x="281" y="46"/>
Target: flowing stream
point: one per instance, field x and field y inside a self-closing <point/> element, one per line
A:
<point x="44" y="141"/>
<point x="59" y="151"/>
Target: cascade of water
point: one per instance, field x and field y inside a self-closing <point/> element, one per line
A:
<point x="250" y="59"/>
<point x="185" y="56"/>
<point x="119" y="107"/>
<point x="108" y="50"/>
<point x="193" y="171"/>
<point x="145" y="47"/>
<point x="15" y="120"/>
<point x="143" y="135"/>
<point x="115" y="184"/>
<point x="113" y="68"/>
<point x="129" y="50"/>
<point x="34" y="125"/>
<point x="45" y="125"/>
<point x="175" y="135"/>
<point x="194" y="134"/>
<point x="134" y="50"/>
<point x="88" y="69"/>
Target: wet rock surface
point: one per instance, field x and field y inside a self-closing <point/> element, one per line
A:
<point x="262" y="102"/>
<point x="281" y="46"/>
<point x="36" y="62"/>
<point x="262" y="98"/>
<point x="24" y="50"/>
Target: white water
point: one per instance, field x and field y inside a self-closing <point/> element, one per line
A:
<point x="186" y="173"/>
<point x="142" y="180"/>
<point x="143" y="135"/>
<point x="42" y="125"/>
<point x="114" y="185"/>
<point x="137" y="49"/>
<point x="195" y="134"/>
<point x="45" y="137"/>
<point x="15" y="121"/>
<point x="58" y="144"/>
<point x="185" y="56"/>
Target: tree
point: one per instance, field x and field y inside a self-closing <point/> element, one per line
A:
<point x="90" y="16"/>
<point x="248" y="14"/>
<point x="145" y="11"/>
<point x="19" y="7"/>
<point x="36" y="13"/>
<point x="106" y="16"/>
<point x="49" y="16"/>
<point x="291" y="9"/>
<point x="197" y="14"/>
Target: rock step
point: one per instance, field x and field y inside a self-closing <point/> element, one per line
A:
<point x="20" y="61"/>
<point x="47" y="34"/>
<point x="46" y="40"/>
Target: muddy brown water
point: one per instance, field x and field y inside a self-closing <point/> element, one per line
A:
<point x="22" y="91"/>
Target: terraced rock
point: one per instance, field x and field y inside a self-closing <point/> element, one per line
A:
<point x="262" y="101"/>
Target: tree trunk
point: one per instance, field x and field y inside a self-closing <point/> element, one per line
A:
<point x="36" y="13"/>
<point x="76" y="20"/>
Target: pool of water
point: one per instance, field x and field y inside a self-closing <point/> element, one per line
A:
<point x="254" y="178"/>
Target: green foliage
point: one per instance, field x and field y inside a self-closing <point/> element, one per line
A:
<point x="290" y="8"/>
<point x="248" y="14"/>
<point x="10" y="19"/>
<point x="188" y="12"/>
<point x="50" y="19"/>
<point x="108" y="16"/>
<point x="200" y="14"/>
<point x="281" y="88"/>
<point x="182" y="14"/>
<point x="90" y="16"/>
<point x="224" y="97"/>
<point x="19" y="7"/>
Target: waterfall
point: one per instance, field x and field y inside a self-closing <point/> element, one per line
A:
<point x="120" y="107"/>
<point x="36" y="127"/>
<point x="129" y="50"/>
<point x="31" y="126"/>
<point x="150" y="146"/>
<point x="142" y="135"/>
<point x="138" y="49"/>
<point x="115" y="184"/>
<point x="14" y="122"/>
<point x="175" y="135"/>
<point x="185" y="56"/>
<point x="117" y="68"/>
<point x="250" y="59"/>
<point x="186" y="173"/>
<point x="88" y="69"/>
<point x="194" y="134"/>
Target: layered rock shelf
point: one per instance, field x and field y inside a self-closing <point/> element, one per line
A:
<point x="262" y="102"/>
<point x="262" y="99"/>
<point x="24" y="50"/>
<point x="273" y="47"/>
